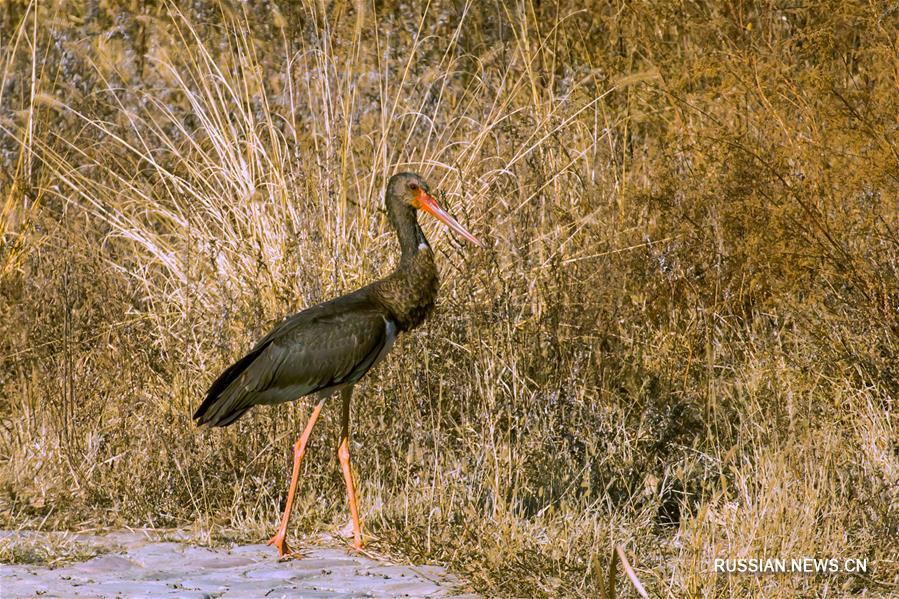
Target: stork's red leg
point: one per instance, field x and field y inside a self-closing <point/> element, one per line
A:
<point x="299" y="448"/>
<point x="343" y="453"/>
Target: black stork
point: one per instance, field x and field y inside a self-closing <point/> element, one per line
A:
<point x="327" y="348"/>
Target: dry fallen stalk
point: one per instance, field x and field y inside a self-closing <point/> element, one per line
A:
<point x="607" y="588"/>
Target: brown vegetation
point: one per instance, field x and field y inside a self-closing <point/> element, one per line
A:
<point x="682" y="338"/>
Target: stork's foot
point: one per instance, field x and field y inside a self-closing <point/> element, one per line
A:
<point x="355" y="545"/>
<point x="280" y="542"/>
<point x="348" y="533"/>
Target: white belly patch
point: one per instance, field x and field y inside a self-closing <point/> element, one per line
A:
<point x="390" y="333"/>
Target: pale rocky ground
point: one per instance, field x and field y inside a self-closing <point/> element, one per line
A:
<point x="145" y="564"/>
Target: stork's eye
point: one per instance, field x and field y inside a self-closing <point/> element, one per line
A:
<point x="413" y="186"/>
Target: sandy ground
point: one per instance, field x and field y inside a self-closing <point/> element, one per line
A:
<point x="142" y="564"/>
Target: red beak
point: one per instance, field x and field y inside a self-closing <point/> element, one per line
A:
<point x="426" y="202"/>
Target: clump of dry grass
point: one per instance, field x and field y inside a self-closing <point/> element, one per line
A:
<point x="682" y="339"/>
<point x="46" y="550"/>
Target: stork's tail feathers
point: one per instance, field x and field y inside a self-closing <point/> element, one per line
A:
<point x="223" y="404"/>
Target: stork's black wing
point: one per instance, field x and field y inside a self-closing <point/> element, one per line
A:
<point x="325" y="346"/>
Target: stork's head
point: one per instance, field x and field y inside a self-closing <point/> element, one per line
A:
<point x="408" y="192"/>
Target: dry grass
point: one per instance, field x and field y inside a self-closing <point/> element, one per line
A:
<point x="52" y="550"/>
<point x="682" y="338"/>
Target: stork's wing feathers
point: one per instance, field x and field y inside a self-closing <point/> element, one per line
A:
<point x="320" y="348"/>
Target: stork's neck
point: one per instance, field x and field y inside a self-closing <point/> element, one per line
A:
<point x="411" y="237"/>
<point x="410" y="290"/>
